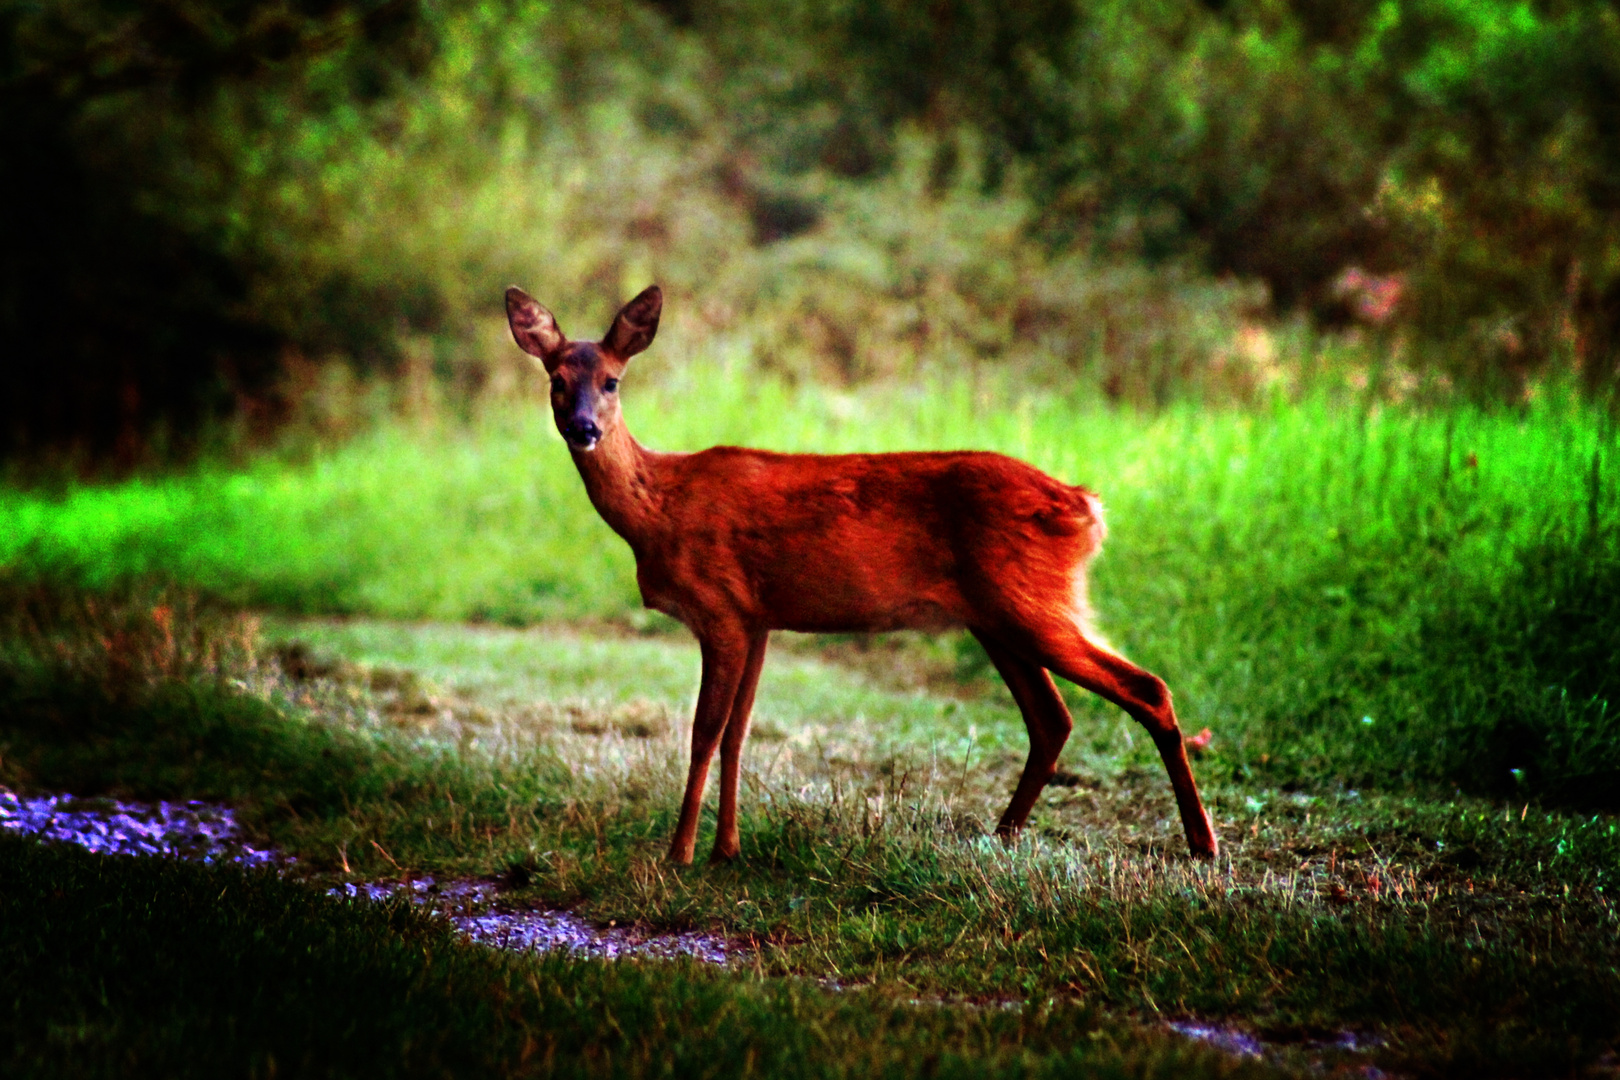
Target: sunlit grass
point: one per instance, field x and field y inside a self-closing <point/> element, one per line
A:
<point x="1332" y="589"/>
<point x="446" y="520"/>
<point x="449" y="521"/>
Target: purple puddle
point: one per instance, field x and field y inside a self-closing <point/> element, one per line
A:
<point x="188" y="830"/>
<point x="1240" y="1043"/>
<point x="537" y="931"/>
<point x="209" y="833"/>
<point x="422" y="890"/>
<point x="542" y="930"/>
<point x="1231" y="1040"/>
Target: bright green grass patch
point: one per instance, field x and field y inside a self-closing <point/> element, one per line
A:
<point x="491" y="521"/>
<point x="1345" y="596"/>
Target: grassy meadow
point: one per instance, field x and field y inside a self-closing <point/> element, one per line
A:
<point x="1321" y="298"/>
<point x="1389" y="595"/>
<point x="1398" y="623"/>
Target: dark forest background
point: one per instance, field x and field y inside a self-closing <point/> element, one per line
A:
<point x="209" y="201"/>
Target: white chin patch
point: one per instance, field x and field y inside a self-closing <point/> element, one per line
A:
<point x="591" y="445"/>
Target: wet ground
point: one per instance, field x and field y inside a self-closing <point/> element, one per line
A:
<point x="474" y="908"/>
<point x="188" y="830"/>
<point x="1240" y="1043"/>
<point x="209" y="833"/>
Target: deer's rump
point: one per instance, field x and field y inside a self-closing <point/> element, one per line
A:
<point x="870" y="541"/>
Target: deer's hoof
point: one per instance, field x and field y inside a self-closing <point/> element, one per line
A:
<point x="1203" y="843"/>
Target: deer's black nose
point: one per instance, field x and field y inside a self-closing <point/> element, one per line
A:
<point x="582" y="433"/>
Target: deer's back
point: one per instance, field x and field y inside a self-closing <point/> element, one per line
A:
<point x="864" y="541"/>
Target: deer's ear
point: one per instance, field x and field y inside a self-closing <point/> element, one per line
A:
<point x="635" y="324"/>
<point x="534" y="328"/>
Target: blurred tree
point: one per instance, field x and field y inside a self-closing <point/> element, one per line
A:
<point x="122" y="314"/>
<point x="193" y="187"/>
<point x="1504" y="181"/>
<point x="1470" y="146"/>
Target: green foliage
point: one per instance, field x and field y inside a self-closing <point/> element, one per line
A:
<point x="1114" y="193"/>
<point x="1501" y="190"/>
<point x="1468" y="146"/>
<point x="118" y="291"/>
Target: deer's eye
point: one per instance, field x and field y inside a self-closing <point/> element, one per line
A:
<point x="610" y="385"/>
<point x="558" y="386"/>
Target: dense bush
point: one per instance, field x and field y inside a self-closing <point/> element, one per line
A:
<point x="1470" y="146"/>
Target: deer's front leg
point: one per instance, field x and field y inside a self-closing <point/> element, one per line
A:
<point x="725" y="658"/>
<point x="727" y="844"/>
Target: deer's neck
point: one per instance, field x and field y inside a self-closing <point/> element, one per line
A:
<point x="621" y="477"/>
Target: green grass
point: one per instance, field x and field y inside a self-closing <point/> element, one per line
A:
<point x="1402" y="627"/>
<point x="1344" y="595"/>
<point x="122" y="967"/>
<point x="1476" y="937"/>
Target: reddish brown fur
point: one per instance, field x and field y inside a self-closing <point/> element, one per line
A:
<point x="736" y="543"/>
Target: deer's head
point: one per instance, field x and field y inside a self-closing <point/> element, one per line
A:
<point x="584" y="374"/>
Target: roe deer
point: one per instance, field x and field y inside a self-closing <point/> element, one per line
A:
<point x="736" y="543"/>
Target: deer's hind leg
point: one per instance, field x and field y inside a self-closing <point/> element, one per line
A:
<point x="1063" y="647"/>
<point x="1046" y="718"/>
